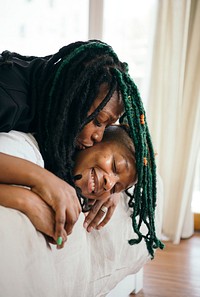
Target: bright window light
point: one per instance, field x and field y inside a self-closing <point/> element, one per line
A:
<point x="35" y="27"/>
<point x="128" y="26"/>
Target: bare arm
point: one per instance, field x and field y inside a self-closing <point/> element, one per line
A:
<point x="55" y="192"/>
<point x="24" y="200"/>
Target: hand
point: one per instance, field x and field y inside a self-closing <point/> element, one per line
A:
<point x="40" y="214"/>
<point x="94" y="217"/>
<point x="59" y="195"/>
<point x="24" y="200"/>
<point x="62" y="198"/>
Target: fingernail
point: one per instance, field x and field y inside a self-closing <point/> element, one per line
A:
<point x="59" y="240"/>
<point x="85" y="224"/>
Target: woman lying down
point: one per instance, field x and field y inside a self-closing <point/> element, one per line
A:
<point x="91" y="263"/>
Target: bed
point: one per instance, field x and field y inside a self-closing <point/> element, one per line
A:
<point x="90" y="265"/>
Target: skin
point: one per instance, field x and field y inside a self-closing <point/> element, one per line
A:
<point x="40" y="214"/>
<point x="92" y="133"/>
<point x="104" y="176"/>
<point x="96" y="218"/>
<point x="94" y="130"/>
<point x="56" y="193"/>
<point x="106" y="168"/>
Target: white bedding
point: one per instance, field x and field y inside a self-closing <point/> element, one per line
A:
<point x="89" y="265"/>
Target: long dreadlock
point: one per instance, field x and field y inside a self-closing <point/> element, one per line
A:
<point x="65" y="85"/>
<point x="143" y="199"/>
<point x="69" y="84"/>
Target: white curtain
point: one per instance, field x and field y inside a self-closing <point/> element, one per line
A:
<point x="174" y="109"/>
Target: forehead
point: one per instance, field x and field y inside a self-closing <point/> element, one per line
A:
<point x="114" y="107"/>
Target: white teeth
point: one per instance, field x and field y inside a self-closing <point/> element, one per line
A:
<point x="93" y="183"/>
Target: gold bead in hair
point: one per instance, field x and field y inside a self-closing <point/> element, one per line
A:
<point x="145" y="161"/>
<point x="142" y="121"/>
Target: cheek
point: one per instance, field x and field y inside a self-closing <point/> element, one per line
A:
<point x="78" y="167"/>
<point x="83" y="180"/>
<point x="87" y="131"/>
<point x="79" y="183"/>
<point x="104" y="161"/>
<point x="129" y="179"/>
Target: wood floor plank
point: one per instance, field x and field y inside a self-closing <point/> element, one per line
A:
<point x="175" y="271"/>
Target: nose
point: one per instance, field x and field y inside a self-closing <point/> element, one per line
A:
<point x="97" y="136"/>
<point x="109" y="182"/>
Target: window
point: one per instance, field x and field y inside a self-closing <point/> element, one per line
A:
<point x="35" y="27"/>
<point x="128" y="27"/>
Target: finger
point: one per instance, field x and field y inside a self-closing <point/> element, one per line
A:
<point x="61" y="244"/>
<point x="93" y="213"/>
<point x="69" y="226"/>
<point x="103" y="213"/>
<point x="72" y="214"/>
<point x="106" y="219"/>
<point x="71" y="220"/>
<point x="60" y="233"/>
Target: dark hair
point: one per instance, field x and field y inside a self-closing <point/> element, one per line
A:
<point x="65" y="85"/>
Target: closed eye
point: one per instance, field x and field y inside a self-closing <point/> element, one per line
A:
<point x="114" y="166"/>
<point x="97" y="123"/>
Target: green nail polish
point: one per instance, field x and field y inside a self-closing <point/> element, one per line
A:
<point x="59" y="240"/>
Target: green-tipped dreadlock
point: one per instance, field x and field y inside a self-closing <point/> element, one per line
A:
<point x="143" y="199"/>
<point x="64" y="86"/>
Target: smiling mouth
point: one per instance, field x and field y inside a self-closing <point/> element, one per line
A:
<point x="91" y="184"/>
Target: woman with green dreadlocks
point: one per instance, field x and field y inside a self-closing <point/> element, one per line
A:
<point x="67" y="100"/>
<point x="105" y="168"/>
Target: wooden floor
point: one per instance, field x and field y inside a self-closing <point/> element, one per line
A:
<point x="174" y="272"/>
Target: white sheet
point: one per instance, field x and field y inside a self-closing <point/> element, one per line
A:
<point x="89" y="265"/>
